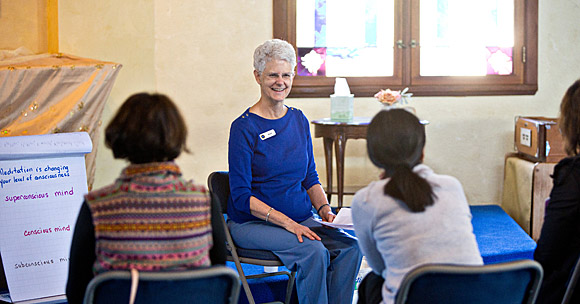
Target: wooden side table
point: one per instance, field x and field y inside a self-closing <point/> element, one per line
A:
<point x="338" y="133"/>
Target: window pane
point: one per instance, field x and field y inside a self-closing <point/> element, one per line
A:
<point x="466" y="37"/>
<point x="345" y="37"/>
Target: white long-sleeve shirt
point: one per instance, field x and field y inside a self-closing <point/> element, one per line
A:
<point x="395" y="240"/>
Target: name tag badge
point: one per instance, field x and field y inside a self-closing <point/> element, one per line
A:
<point x="267" y="134"/>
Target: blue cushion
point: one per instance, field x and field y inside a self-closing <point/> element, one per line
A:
<point x="499" y="237"/>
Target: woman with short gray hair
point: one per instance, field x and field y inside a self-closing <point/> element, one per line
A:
<point x="274" y="187"/>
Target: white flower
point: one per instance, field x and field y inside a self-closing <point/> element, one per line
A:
<point x="501" y="63"/>
<point x="312" y="61"/>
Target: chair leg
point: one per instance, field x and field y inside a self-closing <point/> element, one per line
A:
<point x="290" y="287"/>
<point x="245" y="284"/>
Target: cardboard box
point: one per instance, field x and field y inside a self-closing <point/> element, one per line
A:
<point x="538" y="139"/>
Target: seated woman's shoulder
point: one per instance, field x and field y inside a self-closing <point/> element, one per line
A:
<point x="190" y="186"/>
<point x="445" y="180"/>
<point x="565" y="167"/>
<point x="374" y="187"/>
<point x="104" y="191"/>
<point x="571" y="162"/>
<point x="377" y="185"/>
<point x="241" y="119"/>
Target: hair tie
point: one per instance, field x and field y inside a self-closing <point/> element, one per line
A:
<point x="402" y="166"/>
<point x="320" y="208"/>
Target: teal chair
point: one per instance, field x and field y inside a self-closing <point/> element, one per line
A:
<point x="219" y="187"/>
<point x="216" y="284"/>
<point x="502" y="283"/>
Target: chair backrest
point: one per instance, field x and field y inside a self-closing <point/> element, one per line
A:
<point x="572" y="285"/>
<point x="219" y="186"/>
<point x="510" y="282"/>
<point x="216" y="284"/>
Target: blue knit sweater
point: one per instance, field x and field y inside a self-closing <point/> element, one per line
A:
<point x="272" y="160"/>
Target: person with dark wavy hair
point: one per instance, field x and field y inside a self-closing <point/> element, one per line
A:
<point x="150" y="218"/>
<point x="559" y="244"/>
<point x="411" y="216"/>
<point x="147" y="128"/>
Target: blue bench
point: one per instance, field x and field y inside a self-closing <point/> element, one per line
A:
<point x="499" y="237"/>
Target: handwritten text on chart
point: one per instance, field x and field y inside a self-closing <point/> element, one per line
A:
<point x="40" y="231"/>
<point x="41" y="262"/>
<point x="36" y="195"/>
<point x="18" y="174"/>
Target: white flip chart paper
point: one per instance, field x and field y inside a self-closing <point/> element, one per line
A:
<point x="42" y="184"/>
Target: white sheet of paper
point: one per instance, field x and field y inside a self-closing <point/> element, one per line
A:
<point x="342" y="220"/>
<point x="48" y="300"/>
<point x="42" y="146"/>
<point x="41" y="191"/>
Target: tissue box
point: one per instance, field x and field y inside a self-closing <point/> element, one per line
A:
<point x="342" y="108"/>
<point x="538" y="139"/>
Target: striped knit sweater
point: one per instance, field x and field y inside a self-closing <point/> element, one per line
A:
<point x="151" y="219"/>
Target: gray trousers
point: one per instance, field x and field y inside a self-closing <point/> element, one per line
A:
<point x="325" y="270"/>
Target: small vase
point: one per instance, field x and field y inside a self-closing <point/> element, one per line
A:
<point x="386" y="106"/>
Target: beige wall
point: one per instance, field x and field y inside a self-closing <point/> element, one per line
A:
<point x="199" y="53"/>
<point x="23" y="24"/>
<point x="118" y="31"/>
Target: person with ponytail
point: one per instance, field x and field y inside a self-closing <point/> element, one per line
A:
<point x="411" y="216"/>
<point x="559" y="244"/>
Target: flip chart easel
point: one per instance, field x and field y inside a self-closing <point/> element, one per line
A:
<point x="42" y="183"/>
